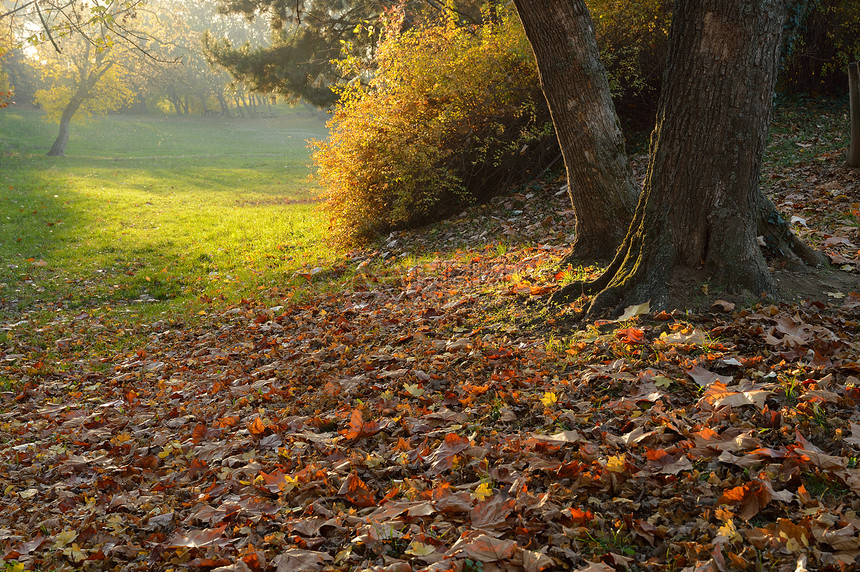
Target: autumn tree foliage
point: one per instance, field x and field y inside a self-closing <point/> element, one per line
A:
<point x="443" y="116"/>
<point x="84" y="79"/>
<point x="699" y="216"/>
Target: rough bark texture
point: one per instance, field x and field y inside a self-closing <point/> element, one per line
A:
<point x="701" y="209"/>
<point x="854" y="95"/>
<point x="600" y="180"/>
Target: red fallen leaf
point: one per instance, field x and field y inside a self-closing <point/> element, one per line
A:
<point x="97" y="555"/>
<point x="359" y="428"/>
<point x="208" y="562"/>
<point x="580" y="517"/>
<point x="275" y="482"/>
<point x="148" y="462"/>
<point x="540" y="290"/>
<point x="492" y="513"/>
<point x="631" y="335"/>
<point x="442" y="458"/>
<point x="228" y="422"/>
<point x="24" y="548"/>
<point x="752" y="497"/>
<point x="356" y="491"/>
<point x="198" y="433"/>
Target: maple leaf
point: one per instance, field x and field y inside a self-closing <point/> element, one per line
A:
<point x="631" y="336"/>
<point x="419" y="549"/>
<point x="356" y="491"/>
<point x="705" y="378"/>
<point x="483" y="548"/>
<point x="549" y="399"/>
<point x="257" y="427"/>
<point x="492" y="513"/>
<point x="358" y="428"/>
<point x="729" y="531"/>
<point x="442" y="459"/>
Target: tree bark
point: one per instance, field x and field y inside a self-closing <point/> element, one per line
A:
<point x="600" y="180"/>
<point x="854" y="96"/>
<point x="701" y="211"/>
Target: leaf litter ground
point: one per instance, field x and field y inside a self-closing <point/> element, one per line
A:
<point x="423" y="419"/>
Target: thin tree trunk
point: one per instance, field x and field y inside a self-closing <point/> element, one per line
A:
<point x="854" y="96"/>
<point x="222" y="102"/>
<point x="87" y="82"/>
<point x="174" y="100"/>
<point x="58" y="149"/>
<point x="600" y="180"/>
<point x="698" y="217"/>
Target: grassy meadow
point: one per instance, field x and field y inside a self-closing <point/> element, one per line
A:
<point x="145" y="214"/>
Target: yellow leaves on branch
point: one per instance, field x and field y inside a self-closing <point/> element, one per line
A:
<point x="63" y="73"/>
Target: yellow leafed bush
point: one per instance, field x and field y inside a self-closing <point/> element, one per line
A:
<point x="442" y="117"/>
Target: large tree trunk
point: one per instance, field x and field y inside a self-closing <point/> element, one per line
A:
<point x="699" y="214"/>
<point x="854" y="95"/>
<point x="600" y="180"/>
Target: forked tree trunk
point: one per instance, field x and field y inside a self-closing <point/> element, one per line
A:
<point x="854" y="96"/>
<point x="600" y="180"/>
<point x="699" y="214"/>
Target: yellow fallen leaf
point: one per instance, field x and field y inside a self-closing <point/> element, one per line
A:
<point x="413" y="389"/>
<point x="64" y="538"/>
<point x="617" y="463"/>
<point x="633" y="311"/>
<point x="549" y="399"/>
<point x="74" y="553"/>
<point x="419" y="549"/>
<point x="729" y="531"/>
<point x="483" y="492"/>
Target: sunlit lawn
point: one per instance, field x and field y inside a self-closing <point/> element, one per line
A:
<point x="146" y="214"/>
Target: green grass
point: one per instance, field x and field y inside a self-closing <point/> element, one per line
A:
<point x="165" y="209"/>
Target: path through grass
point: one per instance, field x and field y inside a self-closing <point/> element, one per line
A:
<point x="148" y="213"/>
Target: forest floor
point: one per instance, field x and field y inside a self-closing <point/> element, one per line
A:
<point x="439" y="417"/>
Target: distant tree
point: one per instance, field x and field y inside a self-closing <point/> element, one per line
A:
<point x="5" y="86"/>
<point x="307" y="36"/>
<point x="83" y="78"/>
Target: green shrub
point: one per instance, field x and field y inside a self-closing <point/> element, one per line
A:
<point x="442" y="117"/>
